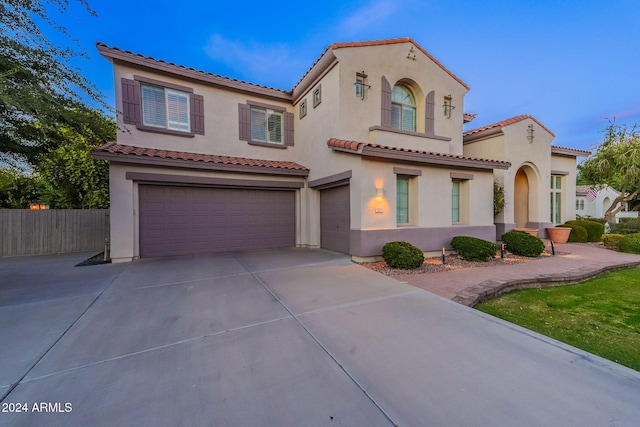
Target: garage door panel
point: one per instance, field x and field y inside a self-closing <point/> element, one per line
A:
<point x="335" y="218"/>
<point x="184" y="220"/>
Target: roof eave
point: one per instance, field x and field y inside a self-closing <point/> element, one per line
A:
<point x="569" y="152"/>
<point x="190" y="164"/>
<point x="138" y="61"/>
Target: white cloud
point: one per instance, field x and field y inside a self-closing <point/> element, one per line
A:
<point x="368" y="15"/>
<point x="266" y="64"/>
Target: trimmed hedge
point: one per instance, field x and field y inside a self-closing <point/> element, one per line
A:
<point x="523" y="243"/>
<point x="612" y="241"/>
<point x="402" y="255"/>
<point x="630" y="226"/>
<point x="595" y="230"/>
<point x="578" y="233"/>
<point x="602" y="221"/>
<point x="474" y="249"/>
<point x="630" y="244"/>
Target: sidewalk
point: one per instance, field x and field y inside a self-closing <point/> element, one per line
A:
<point x="577" y="263"/>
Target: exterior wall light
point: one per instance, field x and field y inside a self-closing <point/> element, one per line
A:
<point x="530" y="133"/>
<point x="448" y="107"/>
<point x="38" y="206"/>
<point x="379" y="194"/>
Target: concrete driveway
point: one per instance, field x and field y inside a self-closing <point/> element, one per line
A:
<point x="287" y="337"/>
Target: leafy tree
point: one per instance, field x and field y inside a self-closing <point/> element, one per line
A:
<point x="72" y="177"/>
<point x="39" y="86"/>
<point x="616" y="163"/>
<point x="18" y="190"/>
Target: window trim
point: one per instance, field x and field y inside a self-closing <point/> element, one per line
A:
<point x="406" y="178"/>
<point x="303" y="108"/>
<point x="287" y="125"/>
<point x="458" y="183"/>
<point x="555" y="211"/>
<point x="139" y="120"/>
<point x="317" y="96"/>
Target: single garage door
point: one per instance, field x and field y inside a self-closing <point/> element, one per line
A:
<point x="335" y="218"/>
<point x="188" y="220"/>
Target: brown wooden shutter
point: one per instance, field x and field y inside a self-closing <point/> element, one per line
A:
<point x="288" y="129"/>
<point x="429" y="126"/>
<point x="131" y="109"/>
<point x="244" y="119"/>
<point x="386" y="102"/>
<point x="197" y="113"/>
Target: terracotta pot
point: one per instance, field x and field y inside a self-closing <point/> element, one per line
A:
<point x="558" y="234"/>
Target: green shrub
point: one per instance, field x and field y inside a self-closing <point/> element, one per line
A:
<point x="578" y="233"/>
<point x="631" y="226"/>
<point x="588" y="218"/>
<point x="612" y="241"/>
<point x="595" y="230"/>
<point x="402" y="255"/>
<point x="523" y="243"/>
<point x="630" y="244"/>
<point x="474" y="249"/>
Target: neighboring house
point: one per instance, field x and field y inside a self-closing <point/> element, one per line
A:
<point x="594" y="205"/>
<point x="367" y="148"/>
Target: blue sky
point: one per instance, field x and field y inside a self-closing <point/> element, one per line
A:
<point x="572" y="64"/>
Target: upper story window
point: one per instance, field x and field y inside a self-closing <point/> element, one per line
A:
<point x="403" y="109"/>
<point x="165" y="108"/>
<point x="266" y="125"/>
<point x="162" y="107"/>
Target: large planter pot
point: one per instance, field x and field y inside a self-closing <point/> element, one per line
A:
<point x="558" y="234"/>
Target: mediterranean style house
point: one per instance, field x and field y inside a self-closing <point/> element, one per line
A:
<point x="367" y="148"/>
<point x="593" y="203"/>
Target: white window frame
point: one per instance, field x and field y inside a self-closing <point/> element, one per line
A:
<point x="555" y="199"/>
<point x="179" y="120"/>
<point x="402" y="109"/>
<point x="268" y="113"/>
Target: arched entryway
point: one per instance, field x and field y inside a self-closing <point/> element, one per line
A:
<point x="521" y="199"/>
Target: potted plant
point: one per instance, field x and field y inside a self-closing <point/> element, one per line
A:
<point x="558" y="234"/>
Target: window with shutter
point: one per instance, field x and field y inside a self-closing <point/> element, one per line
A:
<point x="266" y="126"/>
<point x="157" y="106"/>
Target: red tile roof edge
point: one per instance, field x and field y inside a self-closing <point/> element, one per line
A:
<point x="100" y="45"/>
<point x="507" y="122"/>
<point x="357" y="146"/>
<point x="396" y="41"/>
<point x="115" y="148"/>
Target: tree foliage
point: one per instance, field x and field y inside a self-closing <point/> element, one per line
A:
<point x="74" y="178"/>
<point x="39" y="86"/>
<point x="65" y="176"/>
<point x="616" y="163"/>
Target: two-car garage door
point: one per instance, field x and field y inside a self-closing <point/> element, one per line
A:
<point x="178" y="220"/>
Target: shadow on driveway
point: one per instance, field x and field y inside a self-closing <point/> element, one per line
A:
<point x="281" y="337"/>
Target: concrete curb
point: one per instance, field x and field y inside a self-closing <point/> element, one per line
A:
<point x="488" y="289"/>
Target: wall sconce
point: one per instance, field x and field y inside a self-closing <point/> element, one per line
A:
<point x="379" y="194"/>
<point x="448" y="106"/>
<point x="38" y="206"/>
<point x="530" y="133"/>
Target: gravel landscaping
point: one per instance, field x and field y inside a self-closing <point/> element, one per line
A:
<point x="453" y="262"/>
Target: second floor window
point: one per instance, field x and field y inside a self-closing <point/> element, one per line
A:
<point x="403" y="109"/>
<point x="165" y="108"/>
<point x="266" y="125"/>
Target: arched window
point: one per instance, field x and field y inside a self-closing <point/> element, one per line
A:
<point x="403" y="109"/>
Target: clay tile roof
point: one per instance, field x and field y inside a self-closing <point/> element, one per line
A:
<point x="468" y="117"/>
<point x="569" y="151"/>
<point x="130" y="150"/>
<point x="111" y="52"/>
<point x="358" y="147"/>
<point x="507" y="122"/>
<point x="396" y="41"/>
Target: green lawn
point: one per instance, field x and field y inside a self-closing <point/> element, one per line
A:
<point x="601" y="316"/>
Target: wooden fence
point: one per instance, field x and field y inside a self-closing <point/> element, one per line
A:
<point x="52" y="231"/>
